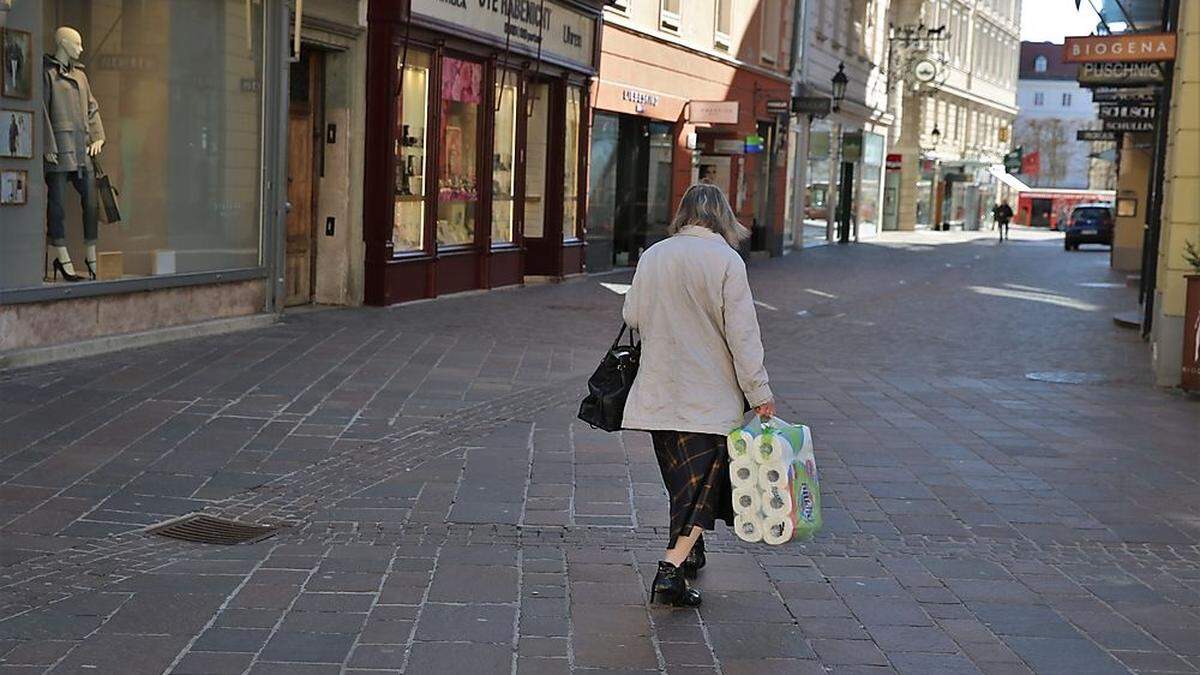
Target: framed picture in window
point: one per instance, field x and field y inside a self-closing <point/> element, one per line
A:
<point x="16" y="60"/>
<point x="16" y="133"/>
<point x="1127" y="207"/>
<point x="14" y="187"/>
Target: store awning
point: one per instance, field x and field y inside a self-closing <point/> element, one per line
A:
<point x="1008" y="179"/>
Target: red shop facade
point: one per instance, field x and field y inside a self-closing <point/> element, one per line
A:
<point x="476" y="136"/>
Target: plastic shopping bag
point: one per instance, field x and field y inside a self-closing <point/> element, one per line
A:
<point x="776" y="488"/>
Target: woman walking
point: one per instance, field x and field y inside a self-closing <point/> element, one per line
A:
<point x="701" y="363"/>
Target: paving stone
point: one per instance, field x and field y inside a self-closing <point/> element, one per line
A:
<point x="1064" y="655"/>
<point x="443" y="657"/>
<point x="207" y="663"/>
<point x="241" y="640"/>
<point x="466" y="623"/>
<point x="746" y="640"/>
<point x="615" y="652"/>
<point x="894" y="639"/>
<point x="377" y="657"/>
<point x="308" y="647"/>
<point x="849" y="652"/>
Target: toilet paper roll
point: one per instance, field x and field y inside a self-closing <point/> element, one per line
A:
<point x="773" y="447"/>
<point x="773" y="475"/>
<point x="777" y="530"/>
<point x="746" y="501"/>
<point x="748" y="528"/>
<point x="743" y="473"/>
<point x="740" y="444"/>
<point x="775" y="502"/>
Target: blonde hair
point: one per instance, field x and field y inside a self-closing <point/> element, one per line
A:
<point x="705" y="205"/>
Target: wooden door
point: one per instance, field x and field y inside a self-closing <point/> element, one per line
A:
<point x="300" y="254"/>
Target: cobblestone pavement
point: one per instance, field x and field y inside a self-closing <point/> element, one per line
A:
<point x="443" y="513"/>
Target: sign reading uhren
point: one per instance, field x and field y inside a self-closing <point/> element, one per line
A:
<point x="520" y="24"/>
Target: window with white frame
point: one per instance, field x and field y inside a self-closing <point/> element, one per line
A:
<point x="1039" y="64"/>
<point x="724" y="23"/>
<point x="771" y="27"/>
<point x="669" y="19"/>
<point x="1066" y="99"/>
<point x="1039" y="98"/>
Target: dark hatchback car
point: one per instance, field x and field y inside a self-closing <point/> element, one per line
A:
<point x="1090" y="224"/>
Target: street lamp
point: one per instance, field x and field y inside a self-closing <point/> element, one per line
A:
<point x="839" y="86"/>
<point x="936" y="134"/>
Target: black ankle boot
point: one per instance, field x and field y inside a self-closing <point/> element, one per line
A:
<point x="671" y="587"/>
<point x="695" y="560"/>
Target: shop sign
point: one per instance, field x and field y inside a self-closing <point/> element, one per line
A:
<point x="814" y="106"/>
<point x="778" y="106"/>
<point x="712" y="112"/>
<point x="1132" y="95"/>
<point x="1121" y="111"/>
<point x="1128" y="125"/>
<point x="1119" y="74"/>
<point x="639" y="99"/>
<point x="852" y="145"/>
<point x="754" y="144"/>
<point x="1097" y="135"/>
<point x="1012" y="161"/>
<point x="1123" y="48"/>
<point x="729" y="146"/>
<point x="137" y="63"/>
<point x="894" y="161"/>
<point x="519" y="24"/>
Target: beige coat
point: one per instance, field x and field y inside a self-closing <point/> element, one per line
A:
<point x="701" y="349"/>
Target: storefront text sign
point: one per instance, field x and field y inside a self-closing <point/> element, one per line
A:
<point x="1121" y="111"/>
<point x="640" y="99"/>
<point x="713" y="112"/>
<point x="894" y="161"/>
<point x="1128" y="125"/>
<point x="1097" y="135"/>
<point x="1120" y="48"/>
<point x="1119" y="74"/>
<point x="729" y="146"/>
<point x="562" y="32"/>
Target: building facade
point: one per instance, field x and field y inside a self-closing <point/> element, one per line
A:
<point x="841" y="155"/>
<point x="687" y="92"/>
<point x="956" y="112"/>
<point x="1053" y="107"/>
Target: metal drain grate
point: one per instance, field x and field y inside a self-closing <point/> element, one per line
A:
<point x="203" y="529"/>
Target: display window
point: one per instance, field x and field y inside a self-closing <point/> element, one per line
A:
<point x="504" y="152"/>
<point x="146" y="129"/>
<point x="458" y="191"/>
<point x="574" y="115"/>
<point x="535" y="159"/>
<point x="408" y="146"/>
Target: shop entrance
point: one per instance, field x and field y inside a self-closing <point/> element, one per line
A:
<point x="1039" y="212"/>
<point x="305" y="112"/>
<point x="542" y="236"/>
<point x="643" y="187"/>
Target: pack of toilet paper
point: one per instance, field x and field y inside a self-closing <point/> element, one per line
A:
<point x="776" y="489"/>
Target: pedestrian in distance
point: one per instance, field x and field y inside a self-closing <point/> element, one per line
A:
<point x="1002" y="214"/>
<point x="701" y="367"/>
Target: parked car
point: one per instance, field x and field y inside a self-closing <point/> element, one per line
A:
<point x="1089" y="224"/>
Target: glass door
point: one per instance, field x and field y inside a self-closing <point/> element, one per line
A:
<point x="504" y="157"/>
<point x="536" y="153"/>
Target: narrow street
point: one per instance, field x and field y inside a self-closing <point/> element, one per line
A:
<point x="442" y="511"/>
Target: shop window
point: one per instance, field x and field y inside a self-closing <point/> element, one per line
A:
<point x="148" y="158"/>
<point x="458" y="151"/>
<point x="870" y="186"/>
<point x="409" y="144"/>
<point x="537" y="125"/>
<point x="571" y="163"/>
<point x="504" y="149"/>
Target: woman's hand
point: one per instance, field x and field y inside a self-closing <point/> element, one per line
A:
<point x="765" y="411"/>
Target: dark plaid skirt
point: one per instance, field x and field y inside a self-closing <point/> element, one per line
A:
<point x="695" y="469"/>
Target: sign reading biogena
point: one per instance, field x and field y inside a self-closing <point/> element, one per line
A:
<point x="1121" y="48"/>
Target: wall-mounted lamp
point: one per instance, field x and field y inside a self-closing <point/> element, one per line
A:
<point x="839" y="86"/>
<point x="936" y="135"/>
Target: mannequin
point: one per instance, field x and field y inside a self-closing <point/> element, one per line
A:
<point x="74" y="134"/>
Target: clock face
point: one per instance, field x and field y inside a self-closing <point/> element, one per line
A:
<point x="924" y="70"/>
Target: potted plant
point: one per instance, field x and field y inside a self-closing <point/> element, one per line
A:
<point x="1190" y="375"/>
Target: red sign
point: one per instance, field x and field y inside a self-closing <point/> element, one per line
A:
<point x="892" y="163"/>
<point x="1031" y="163"/>
<point x="1122" y="48"/>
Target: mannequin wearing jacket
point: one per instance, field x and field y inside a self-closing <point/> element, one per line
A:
<point x="74" y="134"/>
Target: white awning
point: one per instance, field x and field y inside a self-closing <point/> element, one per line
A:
<point x="1007" y="178"/>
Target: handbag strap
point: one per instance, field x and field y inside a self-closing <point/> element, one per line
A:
<point x="96" y="167"/>
<point x="632" y="332"/>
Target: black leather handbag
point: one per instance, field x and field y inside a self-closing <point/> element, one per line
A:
<point x="107" y="193"/>
<point x="604" y="406"/>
